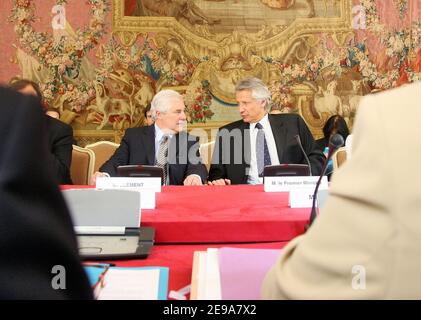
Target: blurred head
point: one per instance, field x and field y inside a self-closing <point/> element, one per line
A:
<point x="148" y="115"/>
<point x="53" y="113"/>
<point x="168" y="111"/>
<point x="335" y="124"/>
<point x="26" y="87"/>
<point x="253" y="99"/>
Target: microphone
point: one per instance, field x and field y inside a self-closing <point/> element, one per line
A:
<point x="336" y="141"/>
<point x="297" y="137"/>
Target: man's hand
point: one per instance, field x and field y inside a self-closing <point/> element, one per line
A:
<point x="220" y="182"/>
<point x="96" y="175"/>
<point x="193" y="180"/>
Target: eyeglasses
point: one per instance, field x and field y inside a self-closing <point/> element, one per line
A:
<point x="97" y="286"/>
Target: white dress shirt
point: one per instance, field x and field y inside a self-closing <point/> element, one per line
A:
<point x="270" y="140"/>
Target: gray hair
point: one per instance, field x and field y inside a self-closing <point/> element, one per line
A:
<point x="162" y="101"/>
<point x="259" y="90"/>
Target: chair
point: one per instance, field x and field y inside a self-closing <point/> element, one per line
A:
<point x="82" y="165"/>
<point x="103" y="151"/>
<point x="206" y="151"/>
<point x="339" y="157"/>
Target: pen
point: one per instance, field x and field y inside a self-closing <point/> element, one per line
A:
<point x="99" y="265"/>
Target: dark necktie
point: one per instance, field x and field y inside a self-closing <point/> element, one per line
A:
<point x="162" y="157"/>
<point x="262" y="150"/>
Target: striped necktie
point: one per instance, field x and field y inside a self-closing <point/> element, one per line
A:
<point x="262" y="150"/>
<point x="162" y="157"/>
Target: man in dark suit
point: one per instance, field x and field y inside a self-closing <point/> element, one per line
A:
<point x="60" y="134"/>
<point x="162" y="144"/>
<point x="244" y="147"/>
<point x="60" y="142"/>
<point x="37" y="241"/>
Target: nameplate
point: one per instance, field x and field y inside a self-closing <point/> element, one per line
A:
<point x="146" y="186"/>
<point x="152" y="183"/>
<point x="287" y="184"/>
<point x="301" y="198"/>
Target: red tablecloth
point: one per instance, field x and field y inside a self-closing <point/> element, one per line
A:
<point x="179" y="258"/>
<point x="224" y="216"/>
<point x="218" y="214"/>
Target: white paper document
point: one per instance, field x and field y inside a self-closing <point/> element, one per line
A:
<point x="126" y="284"/>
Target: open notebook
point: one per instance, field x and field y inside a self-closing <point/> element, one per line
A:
<point x="147" y="283"/>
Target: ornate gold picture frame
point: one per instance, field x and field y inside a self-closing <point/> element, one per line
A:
<point x="224" y="56"/>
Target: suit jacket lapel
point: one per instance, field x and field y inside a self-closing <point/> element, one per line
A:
<point x="279" y="134"/>
<point x="149" y="141"/>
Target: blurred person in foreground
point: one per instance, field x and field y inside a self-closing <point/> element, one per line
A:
<point x="36" y="233"/>
<point x="365" y="243"/>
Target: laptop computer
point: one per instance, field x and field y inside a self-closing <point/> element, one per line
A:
<point x="107" y="224"/>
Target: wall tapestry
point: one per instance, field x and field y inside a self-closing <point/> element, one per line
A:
<point x="313" y="54"/>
